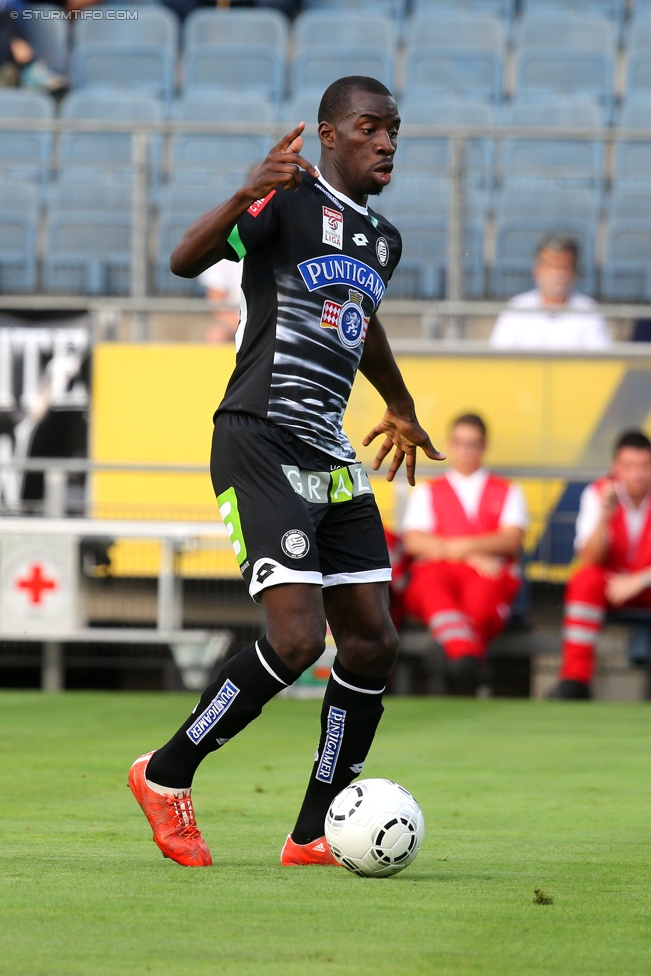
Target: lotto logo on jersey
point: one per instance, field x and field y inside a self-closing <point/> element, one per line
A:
<point x="259" y="205"/>
<point x="333" y="228"/>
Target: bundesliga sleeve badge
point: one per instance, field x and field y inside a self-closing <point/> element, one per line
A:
<point x="333" y="228"/>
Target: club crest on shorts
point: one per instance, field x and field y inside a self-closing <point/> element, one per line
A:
<point x="295" y="544"/>
<point x="382" y="251"/>
<point x="351" y="325"/>
<point x="333" y="228"/>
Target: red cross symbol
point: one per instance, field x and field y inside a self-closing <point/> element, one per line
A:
<point x="36" y="583"/>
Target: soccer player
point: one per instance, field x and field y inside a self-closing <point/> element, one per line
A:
<point x="613" y="542"/>
<point x="300" y="511"/>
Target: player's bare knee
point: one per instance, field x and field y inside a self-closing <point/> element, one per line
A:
<point x="372" y="656"/>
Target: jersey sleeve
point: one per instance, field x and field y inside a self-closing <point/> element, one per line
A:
<point x="514" y="513"/>
<point x="398" y="255"/>
<point x="590" y="509"/>
<point x="254" y="228"/>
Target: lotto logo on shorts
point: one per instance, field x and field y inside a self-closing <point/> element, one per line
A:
<point x="295" y="544"/>
<point x="334" y="737"/>
<point x="333" y="228"/>
<point x="211" y="715"/>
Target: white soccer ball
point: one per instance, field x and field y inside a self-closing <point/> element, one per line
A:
<point x="375" y="828"/>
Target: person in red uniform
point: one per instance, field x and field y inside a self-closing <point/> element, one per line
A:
<point x="613" y="542"/>
<point x="464" y="531"/>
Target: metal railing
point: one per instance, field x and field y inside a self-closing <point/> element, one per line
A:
<point x="140" y="303"/>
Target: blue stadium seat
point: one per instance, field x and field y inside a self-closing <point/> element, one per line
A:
<point x="455" y="56"/>
<point x="630" y="198"/>
<point x="25" y="155"/>
<point x="242" y="51"/>
<point x="332" y="44"/>
<point x="172" y="225"/>
<point x="98" y="194"/>
<point x="627" y="268"/>
<point x="18" y="231"/>
<point x="525" y="210"/>
<point x="578" y="160"/>
<point x="84" y="154"/>
<point x="638" y="73"/>
<point x="378" y="8"/>
<point x="495" y="8"/>
<point x="430" y="154"/>
<point x="151" y="25"/>
<point x="206" y="151"/>
<point x="633" y="156"/>
<point x="145" y="68"/>
<point x="614" y="9"/>
<point x="569" y="55"/>
<point x="419" y="206"/>
<point x="304" y="108"/>
<point x="48" y="37"/>
<point x="88" y="252"/>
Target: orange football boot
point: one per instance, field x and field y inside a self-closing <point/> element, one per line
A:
<point x="171" y="818"/>
<point x="317" y="852"/>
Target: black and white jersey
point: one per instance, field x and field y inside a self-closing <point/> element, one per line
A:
<point x="316" y="266"/>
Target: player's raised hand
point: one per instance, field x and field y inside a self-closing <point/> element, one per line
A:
<point x="406" y="436"/>
<point x="282" y="166"/>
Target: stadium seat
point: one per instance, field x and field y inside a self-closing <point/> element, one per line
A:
<point x="419" y="206"/>
<point x="638" y="73"/>
<point x="24" y="155"/>
<point x="206" y="151"/>
<point x="630" y="198"/>
<point x="144" y="68"/>
<point x="48" y="37"/>
<point x="455" y="55"/>
<point x="84" y="154"/>
<point x="18" y="231"/>
<point x="242" y="51"/>
<point x="88" y="252"/>
<point x="633" y="156"/>
<point x="569" y="55"/>
<point x="525" y="210"/>
<point x="153" y="24"/>
<point x="430" y="154"/>
<point x="172" y="225"/>
<point x="495" y="8"/>
<point x="614" y="9"/>
<point x="380" y="8"/>
<point x="98" y="194"/>
<point x="304" y="108"/>
<point x="332" y="44"/>
<point x="627" y="268"/>
<point x="571" y="159"/>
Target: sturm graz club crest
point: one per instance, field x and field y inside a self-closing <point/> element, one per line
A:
<point x="351" y="325"/>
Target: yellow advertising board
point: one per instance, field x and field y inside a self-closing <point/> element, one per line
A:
<point x="154" y="404"/>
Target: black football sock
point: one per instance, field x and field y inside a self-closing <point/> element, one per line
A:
<point x="244" y="685"/>
<point x="352" y="709"/>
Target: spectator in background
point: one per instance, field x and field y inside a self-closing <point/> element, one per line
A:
<point x="464" y="531"/>
<point x="223" y="283"/>
<point x="19" y="65"/>
<point x="613" y="542"/>
<point x="576" y="327"/>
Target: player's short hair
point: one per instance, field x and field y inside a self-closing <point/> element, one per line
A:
<point x="470" y="420"/>
<point x="632" y="438"/>
<point x="560" y="242"/>
<point x="336" y="98"/>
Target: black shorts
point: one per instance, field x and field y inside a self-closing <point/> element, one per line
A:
<point x="294" y="514"/>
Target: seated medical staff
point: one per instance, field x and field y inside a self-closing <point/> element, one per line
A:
<point x="613" y="542"/>
<point x="464" y="531"/>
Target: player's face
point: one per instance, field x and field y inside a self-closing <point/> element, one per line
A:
<point x="632" y="468"/>
<point x="466" y="447"/>
<point x="361" y="146"/>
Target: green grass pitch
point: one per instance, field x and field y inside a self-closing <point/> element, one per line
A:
<point x="517" y="796"/>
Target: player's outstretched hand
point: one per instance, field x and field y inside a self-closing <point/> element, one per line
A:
<point x="282" y="166"/>
<point x="405" y="435"/>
